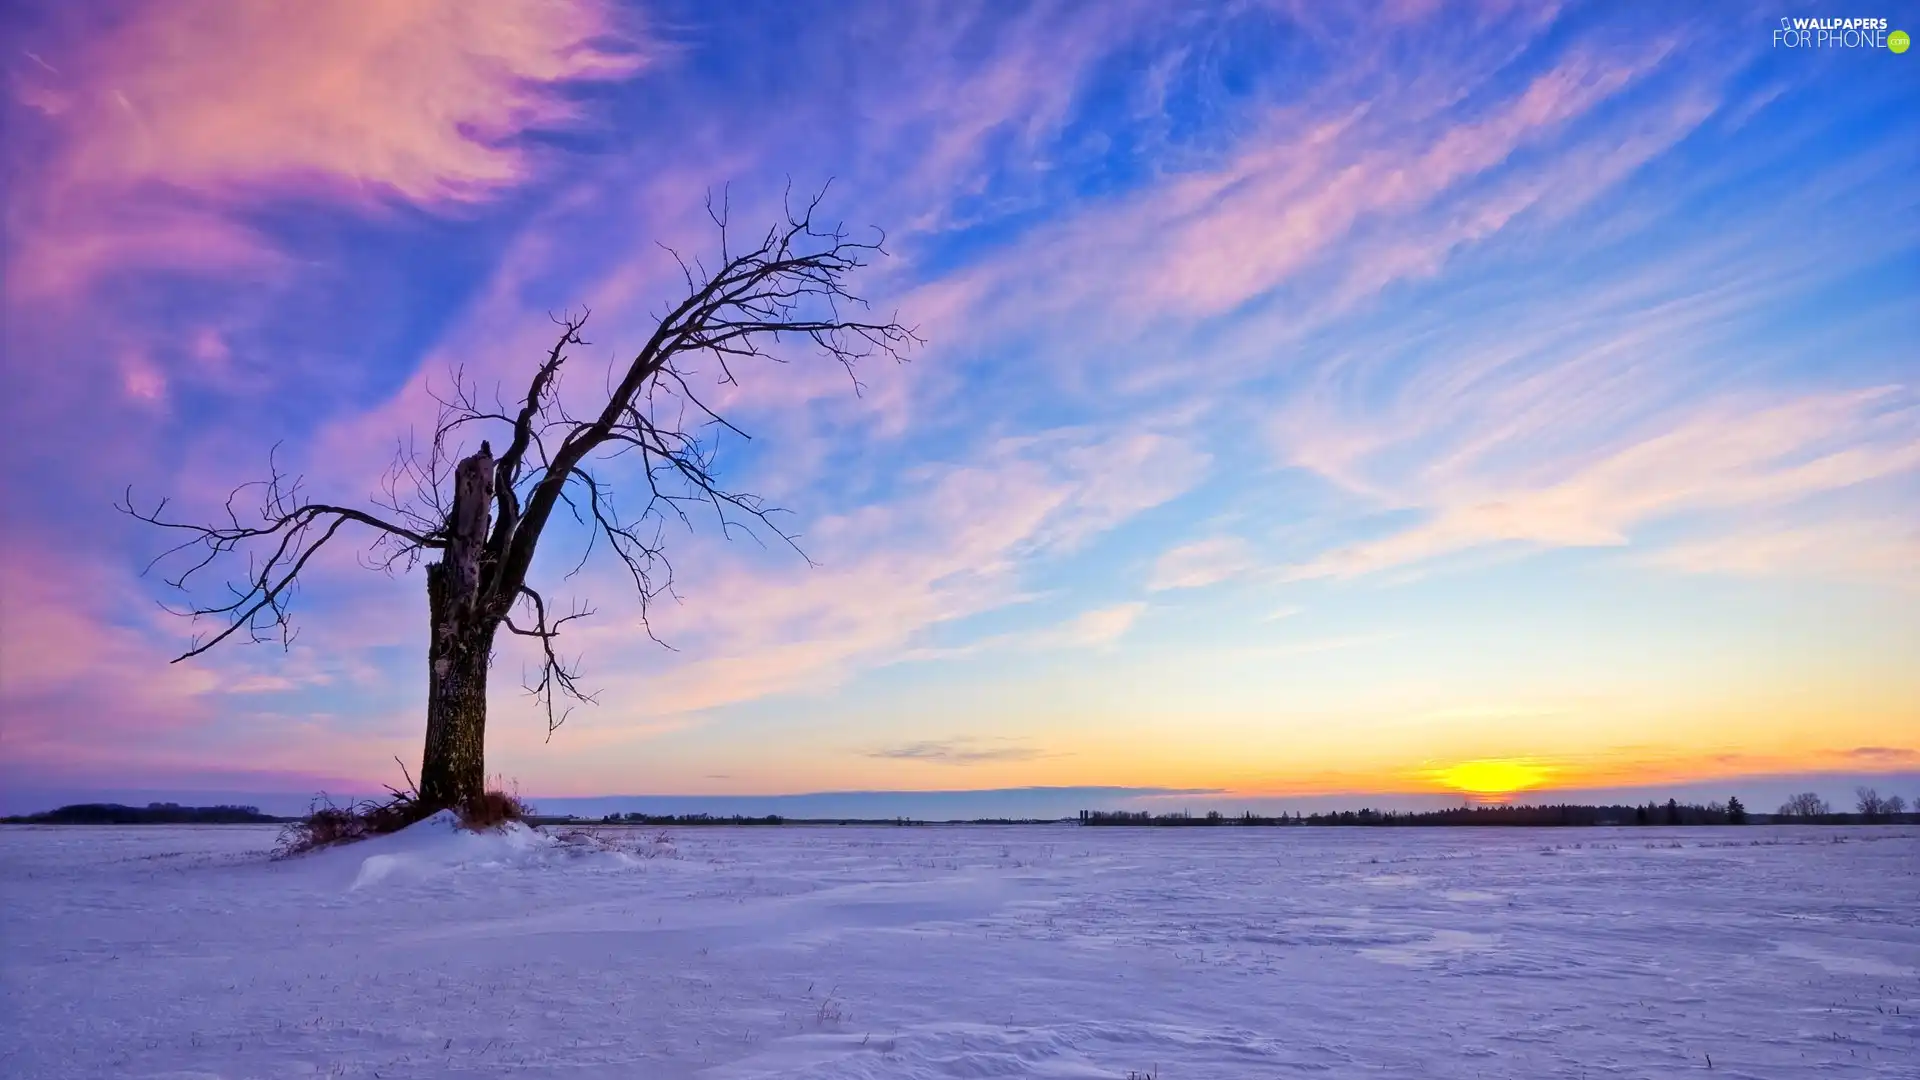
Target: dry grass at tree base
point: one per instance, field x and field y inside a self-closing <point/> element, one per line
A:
<point x="492" y="809"/>
<point x="328" y="824"/>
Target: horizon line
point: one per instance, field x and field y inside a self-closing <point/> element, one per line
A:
<point x="1045" y="800"/>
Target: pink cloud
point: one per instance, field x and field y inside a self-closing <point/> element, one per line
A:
<point x="141" y="379"/>
<point x="1202" y="243"/>
<point x="86" y="687"/>
<point x="1101" y="626"/>
<point x="1201" y="563"/>
<point x="66" y="654"/>
<point x="1289" y="200"/>
<point x="73" y="235"/>
<point x="1725" y="455"/>
<point x="1865" y="548"/>
<point x="1095" y="628"/>
<point x="945" y="124"/>
<point x="887" y="575"/>
<point x="1317" y="173"/>
<point x="935" y="123"/>
<point x="181" y="103"/>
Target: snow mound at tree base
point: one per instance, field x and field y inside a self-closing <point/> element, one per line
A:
<point x="440" y="845"/>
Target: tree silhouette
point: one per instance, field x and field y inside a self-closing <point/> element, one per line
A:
<point x="1868" y="803"/>
<point x="483" y="516"/>
<point x="1805" y="805"/>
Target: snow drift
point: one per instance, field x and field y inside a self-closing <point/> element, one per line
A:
<point x="921" y="953"/>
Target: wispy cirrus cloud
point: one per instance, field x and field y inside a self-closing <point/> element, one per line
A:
<point x="1357" y="160"/>
<point x="1201" y="563"/>
<point x="1101" y="626"/>
<point x="76" y="666"/>
<point x="959" y="751"/>
<point x="887" y="575"/>
<point x="158" y="127"/>
<point x="1722" y="457"/>
<point x="1892" y="755"/>
<point x="87" y="686"/>
<point x="1096" y="628"/>
<point x="1203" y="242"/>
<point x="1254" y="294"/>
<point x="1867" y="547"/>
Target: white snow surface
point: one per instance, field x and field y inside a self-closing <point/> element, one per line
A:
<point x="1039" y="951"/>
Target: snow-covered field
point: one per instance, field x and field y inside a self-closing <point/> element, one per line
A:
<point x="964" y="952"/>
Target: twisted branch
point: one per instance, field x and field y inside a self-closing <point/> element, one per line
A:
<point x="788" y="287"/>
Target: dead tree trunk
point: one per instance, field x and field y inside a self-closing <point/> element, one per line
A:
<point x="453" y="764"/>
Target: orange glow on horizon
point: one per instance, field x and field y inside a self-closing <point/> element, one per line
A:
<point x="1149" y="763"/>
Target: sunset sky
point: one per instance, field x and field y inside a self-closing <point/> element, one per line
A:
<point x="1317" y="398"/>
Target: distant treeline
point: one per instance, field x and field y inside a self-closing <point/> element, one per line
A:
<point x="150" y="814"/>
<point x="776" y="819"/>
<point x="689" y="819"/>
<point x="1562" y="814"/>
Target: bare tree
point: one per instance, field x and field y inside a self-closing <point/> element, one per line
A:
<point x="483" y="515"/>
<point x="1868" y="803"/>
<point x="1806" y="805"/>
<point x="1894" y="805"/>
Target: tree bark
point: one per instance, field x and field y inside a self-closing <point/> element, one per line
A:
<point x="453" y="763"/>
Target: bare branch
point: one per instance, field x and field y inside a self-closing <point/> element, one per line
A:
<point x="556" y="675"/>
<point x="646" y="457"/>
<point x="792" y="284"/>
<point x="291" y="531"/>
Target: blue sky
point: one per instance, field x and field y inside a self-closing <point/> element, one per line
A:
<point x="1315" y="396"/>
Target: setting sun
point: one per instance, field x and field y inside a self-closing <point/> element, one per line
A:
<point x="1493" y="778"/>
